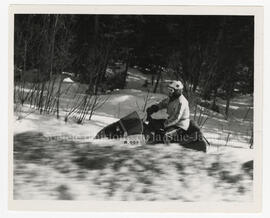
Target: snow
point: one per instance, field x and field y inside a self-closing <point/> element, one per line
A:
<point x="53" y="127"/>
<point x="54" y="159"/>
<point x="68" y="80"/>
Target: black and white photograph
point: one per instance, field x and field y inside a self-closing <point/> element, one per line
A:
<point x="139" y="107"/>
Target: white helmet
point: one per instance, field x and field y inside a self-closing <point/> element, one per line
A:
<point x="176" y="85"/>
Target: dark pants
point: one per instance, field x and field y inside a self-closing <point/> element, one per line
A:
<point x="158" y="124"/>
<point x="190" y="138"/>
<point x="157" y="127"/>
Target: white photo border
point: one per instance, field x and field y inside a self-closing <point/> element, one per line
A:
<point x="142" y="206"/>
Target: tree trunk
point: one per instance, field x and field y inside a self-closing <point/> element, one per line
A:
<point x="196" y="75"/>
<point x="229" y="87"/>
<point x="52" y="45"/>
<point x="196" y="82"/>
<point x="58" y="98"/>
<point x="227" y="106"/>
<point x="96" y="24"/>
<point x="25" y="55"/>
<point x="126" y="69"/>
<point x="95" y="69"/>
<point x="161" y="84"/>
<point x="215" y="97"/>
<point x="93" y="107"/>
<point x="157" y="81"/>
<point x="229" y="94"/>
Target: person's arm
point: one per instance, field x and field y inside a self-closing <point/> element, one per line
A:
<point x="163" y="104"/>
<point x="156" y="107"/>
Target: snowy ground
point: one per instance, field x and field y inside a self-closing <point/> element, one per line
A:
<point x="58" y="160"/>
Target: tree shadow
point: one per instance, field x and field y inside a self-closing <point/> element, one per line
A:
<point x="248" y="168"/>
<point x="112" y="169"/>
<point x="30" y="146"/>
<point x="228" y="177"/>
<point x="63" y="193"/>
<point x="94" y="158"/>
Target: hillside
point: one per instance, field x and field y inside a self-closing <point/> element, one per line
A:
<point x="54" y="159"/>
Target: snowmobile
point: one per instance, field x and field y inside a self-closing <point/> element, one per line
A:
<point x="153" y="133"/>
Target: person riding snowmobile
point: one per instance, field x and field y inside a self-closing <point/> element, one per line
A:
<point x="177" y="128"/>
<point x="177" y="109"/>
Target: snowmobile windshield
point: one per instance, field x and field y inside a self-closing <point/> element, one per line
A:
<point x="128" y="125"/>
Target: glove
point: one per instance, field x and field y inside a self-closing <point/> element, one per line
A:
<point x="166" y="124"/>
<point x="152" y="109"/>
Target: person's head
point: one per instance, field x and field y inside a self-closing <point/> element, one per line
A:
<point x="175" y="88"/>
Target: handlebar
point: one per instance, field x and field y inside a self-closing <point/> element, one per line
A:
<point x="148" y="117"/>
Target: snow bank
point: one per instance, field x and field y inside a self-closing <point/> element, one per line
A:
<point x="68" y="80"/>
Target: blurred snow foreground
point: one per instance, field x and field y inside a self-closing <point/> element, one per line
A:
<point x="58" y="160"/>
